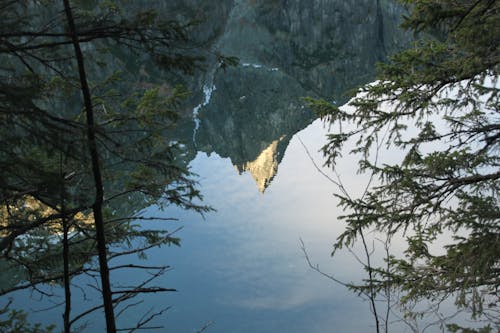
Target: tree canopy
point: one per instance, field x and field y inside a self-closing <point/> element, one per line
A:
<point x="77" y="139"/>
<point x="437" y="103"/>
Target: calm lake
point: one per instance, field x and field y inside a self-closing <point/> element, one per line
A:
<point x="255" y="149"/>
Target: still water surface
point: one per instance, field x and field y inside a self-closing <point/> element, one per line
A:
<point x="242" y="268"/>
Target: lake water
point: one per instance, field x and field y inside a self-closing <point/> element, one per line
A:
<point x="241" y="269"/>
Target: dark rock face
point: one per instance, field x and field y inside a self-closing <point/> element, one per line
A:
<point x="326" y="45"/>
<point x="288" y="49"/>
<point x="248" y="110"/>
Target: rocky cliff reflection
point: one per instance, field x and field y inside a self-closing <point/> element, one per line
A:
<point x="250" y="118"/>
<point x="287" y="50"/>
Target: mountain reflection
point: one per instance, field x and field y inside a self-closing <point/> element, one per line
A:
<point x="251" y="117"/>
<point x="264" y="167"/>
<point x="287" y="50"/>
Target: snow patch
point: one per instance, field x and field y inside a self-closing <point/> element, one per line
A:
<point x="207" y="92"/>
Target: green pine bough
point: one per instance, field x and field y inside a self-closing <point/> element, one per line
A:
<point x="438" y="103"/>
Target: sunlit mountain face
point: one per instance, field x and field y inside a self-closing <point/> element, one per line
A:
<point x="264" y="167"/>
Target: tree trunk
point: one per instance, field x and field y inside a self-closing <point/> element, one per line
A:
<point x="96" y="170"/>
<point x="67" y="287"/>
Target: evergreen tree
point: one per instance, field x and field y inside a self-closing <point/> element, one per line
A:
<point x="75" y="141"/>
<point x="438" y="104"/>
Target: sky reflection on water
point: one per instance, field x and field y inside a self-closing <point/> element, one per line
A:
<point x="242" y="267"/>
